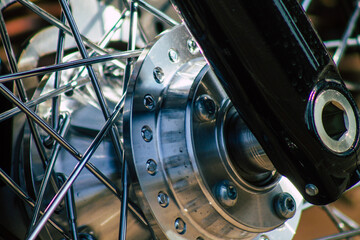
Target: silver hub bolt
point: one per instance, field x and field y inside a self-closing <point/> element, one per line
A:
<point x="285" y="205"/>
<point x="158" y="74"/>
<point x="151" y="166"/>
<point x="173" y="55"/>
<point x="149" y="102"/>
<point x="180" y="226"/>
<point x="163" y="199"/>
<point x="226" y="193"/>
<point x="206" y="108"/>
<point x="146" y="133"/>
<point x="192" y="46"/>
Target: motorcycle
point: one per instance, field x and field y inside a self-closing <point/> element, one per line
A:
<point x="219" y="120"/>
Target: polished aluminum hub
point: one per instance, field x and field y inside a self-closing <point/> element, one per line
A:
<point x="188" y="185"/>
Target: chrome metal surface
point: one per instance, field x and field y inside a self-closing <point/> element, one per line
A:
<point x="311" y="189"/>
<point x="348" y="31"/>
<point x="178" y="122"/>
<point x="338" y="130"/>
<point x="183" y="165"/>
<point x="80" y="104"/>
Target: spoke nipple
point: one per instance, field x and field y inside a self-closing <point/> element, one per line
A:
<point x="158" y="74"/>
<point x="285" y="205"/>
<point x="180" y="226"/>
<point x="48" y="142"/>
<point x="311" y="190"/>
<point x="173" y="56"/>
<point x="226" y="193"/>
<point x="163" y="199"/>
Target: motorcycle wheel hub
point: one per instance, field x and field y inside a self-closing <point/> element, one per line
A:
<point x="176" y="112"/>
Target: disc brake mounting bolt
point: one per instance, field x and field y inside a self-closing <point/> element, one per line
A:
<point x="151" y="167"/>
<point x="158" y="74"/>
<point x="146" y="133"/>
<point x="192" y="46"/>
<point x="285" y="205"/>
<point x="173" y="55"/>
<point x="226" y="193"/>
<point x="205" y="108"/>
<point x="149" y="102"/>
<point x="163" y="199"/>
<point x="180" y="226"/>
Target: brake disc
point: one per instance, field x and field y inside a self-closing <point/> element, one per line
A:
<point x="177" y="129"/>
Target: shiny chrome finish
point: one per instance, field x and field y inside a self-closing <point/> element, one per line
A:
<point x="311" y="189"/>
<point x="196" y="175"/>
<point x="160" y="15"/>
<point x="89" y="194"/>
<point x="335" y="120"/>
<point x="348" y="31"/>
<point x="196" y="191"/>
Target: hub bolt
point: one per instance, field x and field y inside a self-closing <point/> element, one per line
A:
<point x="158" y="74"/>
<point x="205" y="108"/>
<point x="180" y="226"/>
<point x="163" y="199"/>
<point x="173" y="55"/>
<point x="146" y="133"/>
<point x="192" y="46"/>
<point x="285" y="205"/>
<point x="149" y="102"/>
<point x="151" y="166"/>
<point x="226" y="193"/>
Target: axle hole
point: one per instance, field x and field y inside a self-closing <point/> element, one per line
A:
<point x="335" y="120"/>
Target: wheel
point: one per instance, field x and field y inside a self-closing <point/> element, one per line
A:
<point x="131" y="99"/>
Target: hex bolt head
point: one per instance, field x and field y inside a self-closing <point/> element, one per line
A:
<point x="285" y="205"/>
<point x="226" y="193"/>
<point x="180" y="226"/>
<point x="173" y="55"/>
<point x="192" y="46"/>
<point x="205" y="108"/>
<point x="158" y="74"/>
<point x="149" y="102"/>
<point x="163" y="199"/>
<point x="151" y="166"/>
<point x="311" y="190"/>
<point x="146" y="133"/>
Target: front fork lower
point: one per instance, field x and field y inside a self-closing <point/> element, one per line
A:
<point x="285" y="86"/>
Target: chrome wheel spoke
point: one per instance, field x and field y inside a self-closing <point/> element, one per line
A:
<point x="54" y="21"/>
<point x="22" y="195"/>
<point x="157" y="13"/>
<point x="75" y="173"/>
<point x="49" y="173"/>
<point x="69" y="65"/>
<point x="348" y="32"/>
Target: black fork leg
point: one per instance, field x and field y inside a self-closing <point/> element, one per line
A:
<point x="285" y="86"/>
